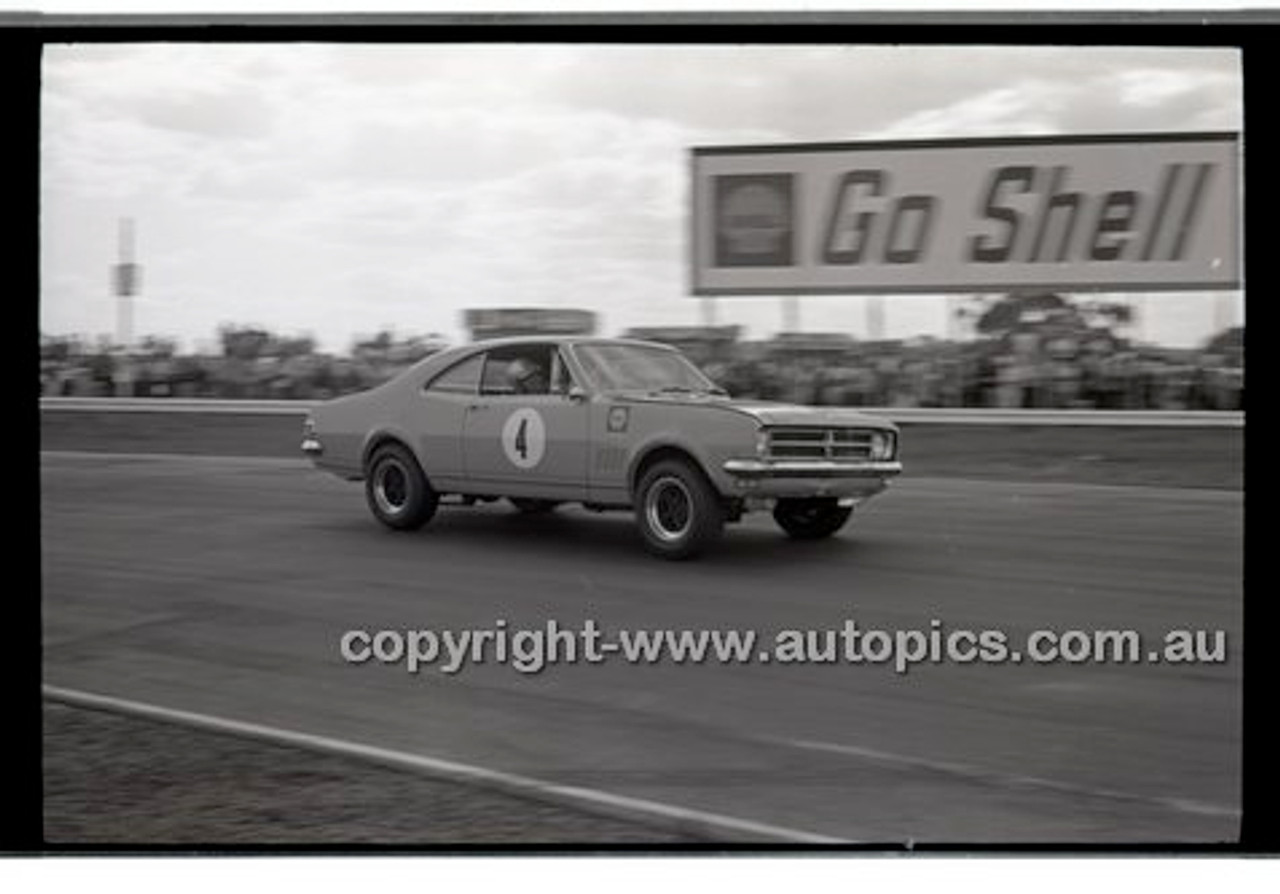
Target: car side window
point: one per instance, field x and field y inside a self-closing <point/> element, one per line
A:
<point x="461" y="378"/>
<point x="561" y="377"/>
<point x="518" y="369"/>
<point x="595" y="370"/>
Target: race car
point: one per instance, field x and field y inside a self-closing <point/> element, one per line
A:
<point x="607" y="423"/>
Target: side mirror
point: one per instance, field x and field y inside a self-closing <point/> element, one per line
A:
<point x="577" y="394"/>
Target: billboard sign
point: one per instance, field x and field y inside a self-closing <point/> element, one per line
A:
<point x="1142" y="212"/>
<point x="126" y="278"/>
<point x="489" y="322"/>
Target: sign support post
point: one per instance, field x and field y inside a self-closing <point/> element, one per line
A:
<point x="790" y="314"/>
<point x="125" y="282"/>
<point x="708" y="311"/>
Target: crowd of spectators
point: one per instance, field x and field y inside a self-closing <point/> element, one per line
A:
<point x="252" y="364"/>
<point x="1019" y="372"/>
<point x="1021" y="368"/>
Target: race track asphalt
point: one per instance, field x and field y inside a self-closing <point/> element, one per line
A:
<point x="222" y="586"/>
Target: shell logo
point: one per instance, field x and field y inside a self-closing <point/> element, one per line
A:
<point x="754" y="220"/>
<point x="754" y="224"/>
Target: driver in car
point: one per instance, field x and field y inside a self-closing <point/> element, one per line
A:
<point x="527" y="377"/>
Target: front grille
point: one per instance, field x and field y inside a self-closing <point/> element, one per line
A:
<point x="795" y="442"/>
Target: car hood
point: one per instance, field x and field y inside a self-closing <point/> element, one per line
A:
<point x="764" y="411"/>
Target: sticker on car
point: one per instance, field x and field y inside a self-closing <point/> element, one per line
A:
<point x="524" y="438"/>
<point x="618" y="418"/>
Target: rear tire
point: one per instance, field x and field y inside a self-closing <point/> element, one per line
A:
<point x="397" y="491"/>
<point x="811" y="519"/>
<point x="678" y="511"/>
<point x="531" y="506"/>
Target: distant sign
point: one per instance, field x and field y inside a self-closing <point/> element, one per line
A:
<point x="126" y="278"/>
<point x="1107" y="213"/>
<point x="677" y="334"/>
<point x="491" y="321"/>
<point x="812" y="342"/>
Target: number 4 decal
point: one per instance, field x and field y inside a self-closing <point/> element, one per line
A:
<point x="524" y="438"/>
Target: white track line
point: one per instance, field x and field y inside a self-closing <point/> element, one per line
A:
<point x="718" y="826"/>
<point x="977" y="774"/>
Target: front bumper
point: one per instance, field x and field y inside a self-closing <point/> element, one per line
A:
<point x="809" y="478"/>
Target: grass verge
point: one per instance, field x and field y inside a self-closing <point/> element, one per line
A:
<point x="112" y="779"/>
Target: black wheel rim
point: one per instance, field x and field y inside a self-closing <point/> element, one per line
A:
<point x="391" y="487"/>
<point x="669" y="509"/>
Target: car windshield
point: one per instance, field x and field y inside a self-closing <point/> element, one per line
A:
<point x="637" y="367"/>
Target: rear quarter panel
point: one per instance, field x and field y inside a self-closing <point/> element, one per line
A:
<point x="347" y="425"/>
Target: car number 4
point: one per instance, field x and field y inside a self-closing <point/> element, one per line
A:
<point x="524" y="438"/>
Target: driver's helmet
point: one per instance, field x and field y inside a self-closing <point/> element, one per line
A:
<point x="523" y="374"/>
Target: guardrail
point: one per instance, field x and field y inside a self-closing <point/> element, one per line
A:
<point x="1117" y="418"/>
<point x="176" y="405"/>
<point x="902" y="415"/>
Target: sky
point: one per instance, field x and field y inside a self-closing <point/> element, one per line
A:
<point x="336" y="190"/>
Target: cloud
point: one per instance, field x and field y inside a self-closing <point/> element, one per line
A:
<point x="1105" y="101"/>
<point x="317" y="186"/>
<point x="1146" y="87"/>
<point x="851" y="92"/>
<point x="1031" y="107"/>
<point x="224" y="114"/>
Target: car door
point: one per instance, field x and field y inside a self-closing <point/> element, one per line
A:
<point x="526" y="438"/>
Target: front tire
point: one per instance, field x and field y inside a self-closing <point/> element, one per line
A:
<point x="399" y="495"/>
<point x="678" y="511"/>
<point x="811" y="519"/>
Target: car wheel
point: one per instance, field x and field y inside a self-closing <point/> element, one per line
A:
<point x="678" y="511"/>
<point x="811" y="519"/>
<point x="531" y="506"/>
<point x="398" y="493"/>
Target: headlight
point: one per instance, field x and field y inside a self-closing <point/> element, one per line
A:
<point x="762" y="443"/>
<point x="882" y="445"/>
